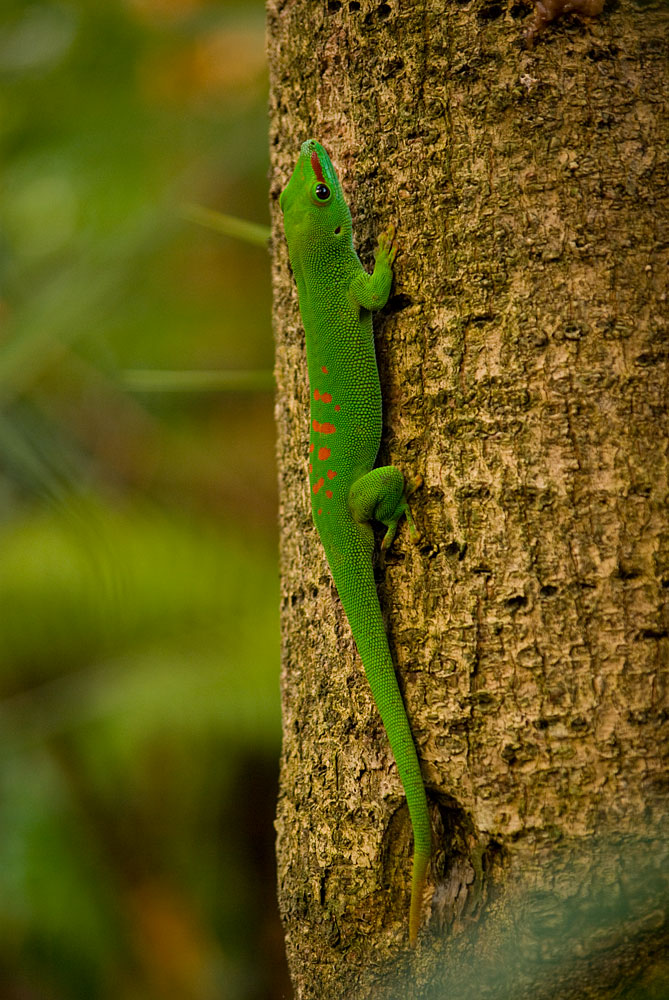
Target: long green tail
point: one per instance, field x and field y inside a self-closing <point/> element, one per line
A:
<point x="357" y="591"/>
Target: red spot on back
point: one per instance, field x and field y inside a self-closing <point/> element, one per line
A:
<point x="337" y="408"/>
<point x="331" y="473"/>
<point x="323" y="428"/>
<point x="324" y="453"/>
<point x="311" y="468"/>
<point x="317" y="168"/>
<point x="320" y="510"/>
<point x="328" y="494"/>
<point x="311" y="448"/>
<point x="316" y="487"/>
<point x="326" y="397"/>
<point x="324" y="370"/>
<point x="317" y="394"/>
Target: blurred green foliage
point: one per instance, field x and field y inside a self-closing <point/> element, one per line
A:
<point x="139" y="716"/>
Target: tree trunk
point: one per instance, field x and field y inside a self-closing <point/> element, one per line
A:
<point x="524" y="369"/>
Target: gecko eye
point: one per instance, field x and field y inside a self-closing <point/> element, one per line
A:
<point x="322" y="192"/>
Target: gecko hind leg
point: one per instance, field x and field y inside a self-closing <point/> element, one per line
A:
<point x="382" y="494"/>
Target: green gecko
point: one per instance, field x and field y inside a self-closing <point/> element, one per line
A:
<point x="336" y="298"/>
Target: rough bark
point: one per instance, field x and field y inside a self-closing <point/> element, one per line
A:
<point x="525" y="370"/>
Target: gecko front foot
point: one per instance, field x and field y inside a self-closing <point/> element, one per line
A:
<point x="386" y="248"/>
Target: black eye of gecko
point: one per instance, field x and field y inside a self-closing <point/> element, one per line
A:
<point x="322" y="192"/>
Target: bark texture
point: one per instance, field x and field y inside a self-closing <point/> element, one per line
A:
<point x="525" y="369"/>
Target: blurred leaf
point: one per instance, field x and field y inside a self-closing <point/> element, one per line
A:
<point x="139" y="380"/>
<point x="68" y="306"/>
<point x="140" y="614"/>
<point x="36" y="37"/>
<point x="240" y="229"/>
<point x="34" y="455"/>
<point x="138" y="632"/>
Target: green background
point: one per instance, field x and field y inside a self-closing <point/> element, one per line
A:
<point x="139" y="708"/>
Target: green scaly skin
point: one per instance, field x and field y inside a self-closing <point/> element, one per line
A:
<point x="336" y="298"/>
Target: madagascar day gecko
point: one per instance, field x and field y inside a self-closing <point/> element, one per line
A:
<point x="337" y="297"/>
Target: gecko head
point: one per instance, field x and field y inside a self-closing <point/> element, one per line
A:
<point x="313" y="204"/>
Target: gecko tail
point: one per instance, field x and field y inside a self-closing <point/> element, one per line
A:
<point x="418" y="883"/>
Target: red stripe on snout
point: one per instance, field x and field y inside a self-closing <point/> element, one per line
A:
<point x="318" y="170"/>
